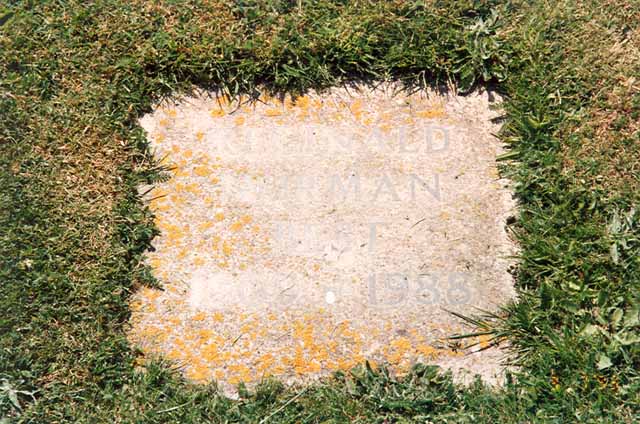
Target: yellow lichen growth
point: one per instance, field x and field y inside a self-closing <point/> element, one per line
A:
<point x="484" y="341"/>
<point x="401" y="343"/>
<point x="272" y="112"/>
<point x="149" y="294"/>
<point x="239" y="120"/>
<point x="303" y="102"/>
<point x="210" y="353"/>
<point x="199" y="316"/>
<point x="205" y="226"/>
<point x="243" y="373"/>
<point x="288" y="103"/>
<point x="175" y="321"/>
<point x="219" y="216"/>
<point x="265" y="362"/>
<point x="198" y="373"/>
<point x="163" y="122"/>
<point x="217" y="113"/>
<point x="356" y="109"/>
<point x="431" y="113"/>
<point x="218" y="317"/>
<point x="345" y="364"/>
<point x="226" y="248"/>
<point x="205" y="334"/>
<point x="175" y="354"/>
<point x="199" y="135"/>
<point x="427" y="351"/>
<point x="193" y="188"/>
<point x="201" y="171"/>
<point x="236" y="226"/>
<point x="136" y="305"/>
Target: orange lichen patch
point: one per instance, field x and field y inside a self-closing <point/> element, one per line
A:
<point x="202" y="171"/>
<point x="288" y="103"/>
<point x="199" y="136"/>
<point x="239" y="120"/>
<point x="242" y="371"/>
<point x="136" y="305"/>
<point x="265" y="362"/>
<point x="454" y="353"/>
<point x="159" y="137"/>
<point x="175" y="321"/>
<point x="219" y="216"/>
<point x="193" y="189"/>
<point x="272" y="112"/>
<point x="236" y="226"/>
<point x="149" y="294"/>
<point x="199" y="316"/>
<point x="356" y="109"/>
<point x="205" y="226"/>
<point x="153" y="333"/>
<point x="303" y="102"/>
<point x="163" y="122"/>
<point x="265" y="97"/>
<point x="211" y="353"/>
<point x="431" y="113"/>
<point x="175" y="354"/>
<point x="217" y="113"/>
<point x="204" y="335"/>
<point x="427" y="351"/>
<point x="171" y="113"/>
<point x="198" y="373"/>
<point x="399" y="348"/>
<point x="484" y="340"/>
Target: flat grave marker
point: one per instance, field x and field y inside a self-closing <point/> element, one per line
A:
<point x="303" y="236"/>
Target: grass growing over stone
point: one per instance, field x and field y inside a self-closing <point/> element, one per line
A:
<point x="75" y="77"/>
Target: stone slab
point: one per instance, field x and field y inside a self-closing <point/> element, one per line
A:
<point x="303" y="236"/>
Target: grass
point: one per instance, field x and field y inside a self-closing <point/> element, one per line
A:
<point x="75" y="76"/>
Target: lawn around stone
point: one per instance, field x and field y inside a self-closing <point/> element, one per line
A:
<point x="117" y="307"/>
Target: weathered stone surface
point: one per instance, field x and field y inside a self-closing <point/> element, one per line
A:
<point x="305" y="236"/>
